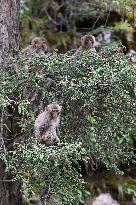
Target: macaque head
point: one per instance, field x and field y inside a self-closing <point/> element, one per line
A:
<point x="88" y="41"/>
<point x="99" y="38"/>
<point x="54" y="109"/>
<point x="26" y="51"/>
<point x="104" y="36"/>
<point x="40" y="44"/>
<point x="107" y="36"/>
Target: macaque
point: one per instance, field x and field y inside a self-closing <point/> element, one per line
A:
<point x="132" y="55"/>
<point x="46" y="125"/>
<point x="107" y="36"/>
<point x="38" y="45"/>
<point x="88" y="42"/>
<point x="26" y="51"/>
<point x="104" y="37"/>
<point x="103" y="199"/>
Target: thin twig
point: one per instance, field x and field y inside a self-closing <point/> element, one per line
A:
<point x="6" y="180"/>
<point x="107" y="19"/>
<point x="95" y="22"/>
<point x="51" y="19"/>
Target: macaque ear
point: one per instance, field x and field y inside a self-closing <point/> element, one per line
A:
<point x="48" y="108"/>
<point x="82" y="39"/>
<point x="60" y="107"/>
<point x="93" y="38"/>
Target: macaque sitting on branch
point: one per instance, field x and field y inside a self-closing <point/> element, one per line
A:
<point x="46" y="125"/>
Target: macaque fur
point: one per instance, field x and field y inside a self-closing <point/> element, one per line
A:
<point x="46" y="125"/>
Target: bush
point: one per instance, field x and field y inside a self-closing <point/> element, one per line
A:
<point x="98" y="98"/>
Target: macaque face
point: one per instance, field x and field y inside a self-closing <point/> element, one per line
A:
<point x="44" y="46"/>
<point x="99" y="38"/>
<point x="87" y="41"/>
<point x="26" y="51"/>
<point x="54" y="110"/>
<point x="54" y="113"/>
<point x="36" y="43"/>
<point x="40" y="43"/>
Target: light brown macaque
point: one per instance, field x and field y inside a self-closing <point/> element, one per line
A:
<point x="26" y="51"/>
<point x="38" y="45"/>
<point x="46" y="125"/>
<point x="88" y="42"/>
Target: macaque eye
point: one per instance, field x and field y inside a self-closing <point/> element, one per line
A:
<point x="91" y="40"/>
<point x="55" y="112"/>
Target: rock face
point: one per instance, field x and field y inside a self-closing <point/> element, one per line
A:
<point x="104" y="199"/>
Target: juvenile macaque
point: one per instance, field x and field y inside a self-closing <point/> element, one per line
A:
<point x="46" y="125"/>
<point x="26" y="51"/>
<point x="104" y="37"/>
<point x="107" y="36"/>
<point x="88" y="42"/>
<point x="132" y="55"/>
<point x="38" y="45"/>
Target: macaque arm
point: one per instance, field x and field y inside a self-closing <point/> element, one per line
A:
<point x="43" y="128"/>
<point x="41" y="124"/>
<point x="78" y="51"/>
<point x="57" y="131"/>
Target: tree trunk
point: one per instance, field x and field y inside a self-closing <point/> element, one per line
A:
<point x="9" y="46"/>
<point x="9" y="28"/>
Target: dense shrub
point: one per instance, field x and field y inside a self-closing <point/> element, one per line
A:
<point x="97" y="123"/>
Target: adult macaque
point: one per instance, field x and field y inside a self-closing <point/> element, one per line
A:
<point x="88" y="42"/>
<point x="46" y="125"/>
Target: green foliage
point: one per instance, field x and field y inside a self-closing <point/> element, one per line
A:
<point x="48" y="169"/>
<point x="124" y="26"/>
<point x="98" y="97"/>
<point x="62" y="22"/>
<point x="130" y="188"/>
